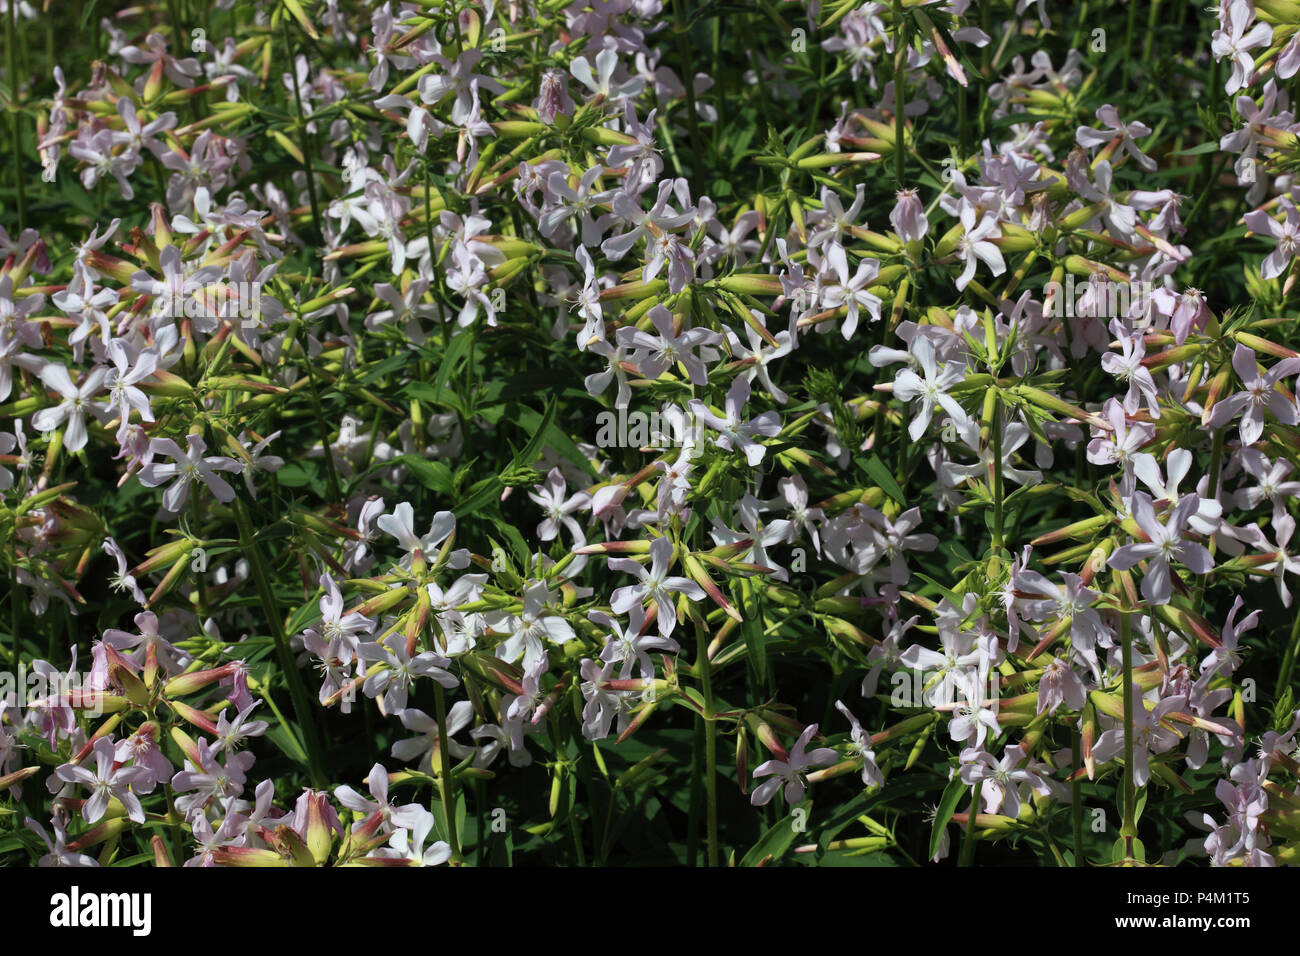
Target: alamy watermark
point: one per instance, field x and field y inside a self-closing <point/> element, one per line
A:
<point x="78" y="909"/>
<point x="229" y="300"/>
<point x="671" y="427"/>
<point x="47" y="690"/>
<point x="1096" y="298"/>
<point x="946" y="689"/>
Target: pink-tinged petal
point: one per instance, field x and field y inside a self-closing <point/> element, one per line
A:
<point x="352" y="800"/>
<point x="626" y="598"/>
<point x="667" y="616"/>
<point x="1259" y="35"/>
<point x="76" y="775"/>
<point x="1258" y="221"/>
<point x="134" y="811"/>
<point x="1108" y="746"/>
<point x="56" y="377"/>
<point x="661" y="557"/>
<point x="95" y="807"/>
<point x="175" y="495"/>
<point x="1148" y="469"/>
<point x="48" y="419"/>
<point x="1243" y="363"/>
<point x="1183" y="512"/>
<point x="1226" y="410"/>
<point x="1130" y="554"/>
<point x="1274" y="264"/>
<point x="1252" y="425"/>
<point x="444" y="523"/>
<point x="1144" y="514"/>
<point x="1088" y="137"/>
<point x="1197" y="558"/>
<point x="1157" y="586"/>
<point x="74" y="439"/>
<point x="764" y="792"/>
<point x="221" y="488"/>
<point x="1283" y="408"/>
<point x="685" y="586"/>
<point x="822" y="756"/>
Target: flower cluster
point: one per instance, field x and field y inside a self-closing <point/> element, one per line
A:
<point x="302" y="392"/>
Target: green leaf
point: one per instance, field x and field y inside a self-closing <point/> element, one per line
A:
<point x="293" y="476"/>
<point x="305" y="614"/>
<point x="458" y="349"/>
<point x="489" y="489"/>
<point x="517" y="542"/>
<point x="424" y="392"/>
<point x="556" y="438"/>
<point x="1118" y="850"/>
<point x="529" y="454"/>
<point x="434" y="475"/>
<point x="883" y="479"/>
<point x="440" y="819"/>
<point x="282" y="733"/>
<point x="752" y="628"/>
<point x="481" y="493"/>
<point x="952" y="597"/>
<point x="777" y="841"/>
<point x="947" y="807"/>
<point x="852" y="858"/>
<point x="1199" y="150"/>
<point x="385" y="367"/>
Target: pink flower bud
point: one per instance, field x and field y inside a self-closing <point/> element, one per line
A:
<point x="908" y="216"/>
<point x="553" y="98"/>
<point x="315" y="820"/>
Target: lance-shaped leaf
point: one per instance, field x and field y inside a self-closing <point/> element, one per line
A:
<point x="701" y="577"/>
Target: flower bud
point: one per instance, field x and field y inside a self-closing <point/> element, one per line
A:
<point x="187" y="683"/>
<point x="315" y="820"/>
<point x="193" y="716"/>
<point x="908" y="216"/>
<point x="553" y="97"/>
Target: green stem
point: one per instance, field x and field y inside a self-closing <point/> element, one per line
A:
<point x="710" y="743"/>
<point x="576" y="832"/>
<point x="200" y="587"/>
<point x="446" y="783"/>
<point x="697" y="780"/>
<point x="998" y="539"/>
<point x="1205" y="190"/>
<point x="1129" y="828"/>
<point x="480" y="808"/>
<point x="688" y="80"/>
<point x="331" y="474"/>
<point x="15" y="609"/>
<point x="428" y="216"/>
<point x="1128" y="43"/>
<point x="1152" y="24"/>
<point x="15" y="120"/>
<point x="1213" y="94"/>
<point x="1288" y="662"/>
<point x="963" y="134"/>
<point x="968" y="837"/>
<point x="1075" y="41"/>
<point x="297" y="690"/>
<point x="174" y="820"/>
<point x="1076" y="791"/>
<point x="1212" y="484"/>
<point x="303" y="140"/>
<point x="900" y="69"/>
<point x="1056" y="851"/>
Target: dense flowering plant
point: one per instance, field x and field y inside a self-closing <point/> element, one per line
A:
<point x="649" y="431"/>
